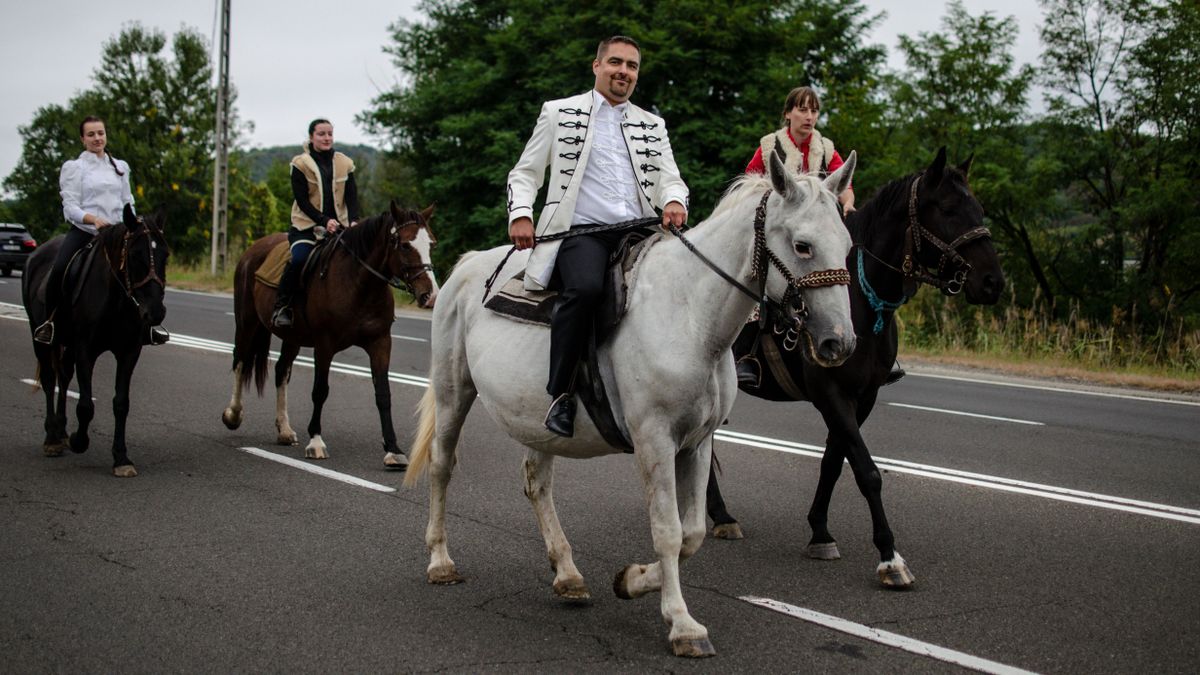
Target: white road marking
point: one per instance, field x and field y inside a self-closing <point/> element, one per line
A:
<point x="1166" y="511"/>
<point x="325" y="473"/>
<point x="230" y="314"/>
<point x="405" y="337"/>
<point x="967" y="414"/>
<point x="1059" y="390"/>
<point x="1191" y="516"/>
<point x="34" y="383"/>
<point x="884" y="637"/>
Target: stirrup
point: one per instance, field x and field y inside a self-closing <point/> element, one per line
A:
<point x="159" y="335"/>
<point x="44" y="333"/>
<point x="894" y="375"/>
<point x="282" y="318"/>
<point x="749" y="372"/>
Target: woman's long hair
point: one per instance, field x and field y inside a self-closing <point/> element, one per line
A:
<point x="93" y="118"/>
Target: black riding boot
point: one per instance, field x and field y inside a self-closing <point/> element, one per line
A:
<point x="745" y="350"/>
<point x="560" y="418"/>
<point x="282" y="317"/>
<point x="894" y="376"/>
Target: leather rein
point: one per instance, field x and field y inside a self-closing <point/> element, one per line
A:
<point x="793" y="297"/>
<point x="121" y="273"/>
<point x="411" y="271"/>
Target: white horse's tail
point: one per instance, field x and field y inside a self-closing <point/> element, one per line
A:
<point x="418" y="454"/>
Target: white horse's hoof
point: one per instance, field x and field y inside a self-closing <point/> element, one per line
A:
<point x="315" y="449"/>
<point x="231" y="419"/>
<point x="621" y="583"/>
<point x="574" y="590"/>
<point x="444" y="576"/>
<point x="728" y="531"/>
<point x="395" y="460"/>
<point x="693" y="648"/>
<point x="825" y="551"/>
<point x="124" y="471"/>
<point x="287" y="438"/>
<point x="895" y="573"/>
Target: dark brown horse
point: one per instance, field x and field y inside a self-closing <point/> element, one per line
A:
<point x="923" y="228"/>
<point x="121" y="276"/>
<point x="346" y="303"/>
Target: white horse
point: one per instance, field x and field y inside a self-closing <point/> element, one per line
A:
<point x="667" y="366"/>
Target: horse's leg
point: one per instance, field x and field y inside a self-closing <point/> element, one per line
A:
<point x="449" y="401"/>
<point x="539" y="488"/>
<point x="122" y="467"/>
<point x="725" y="526"/>
<point x="55" y="424"/>
<point x="85" y="410"/>
<point x="822" y="545"/>
<point x="285" y="435"/>
<point x="232" y="415"/>
<point x="316" y="448"/>
<point x="657" y="463"/>
<point x="380" y="352"/>
<point x="843" y="420"/>
<point x="64" y="373"/>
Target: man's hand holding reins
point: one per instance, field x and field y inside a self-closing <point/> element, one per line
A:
<point x="674" y="214"/>
<point x="521" y="232"/>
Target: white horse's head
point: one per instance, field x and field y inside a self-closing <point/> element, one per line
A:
<point x="805" y="230"/>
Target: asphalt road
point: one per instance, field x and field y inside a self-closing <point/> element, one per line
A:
<point x="1050" y="529"/>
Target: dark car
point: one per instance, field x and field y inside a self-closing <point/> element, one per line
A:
<point x="15" y="246"/>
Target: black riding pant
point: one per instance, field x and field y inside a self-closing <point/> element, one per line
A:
<point x="579" y="275"/>
<point x="75" y="240"/>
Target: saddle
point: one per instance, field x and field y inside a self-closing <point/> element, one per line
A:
<point x="270" y="272"/>
<point x="512" y="301"/>
<point x="78" y="268"/>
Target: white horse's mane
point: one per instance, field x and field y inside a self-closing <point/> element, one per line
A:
<point x="754" y="184"/>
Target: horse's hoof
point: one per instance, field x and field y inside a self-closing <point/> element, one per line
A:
<point x="124" y="471"/>
<point x="574" y="590"/>
<point x="693" y="648"/>
<point x="54" y="449"/>
<point x="287" y="439"/>
<point x="621" y="582"/>
<point x="824" y="551"/>
<point x="728" y="531"/>
<point x="79" y="443"/>
<point x="231" y="419"/>
<point x="315" y="450"/>
<point x="895" y="574"/>
<point x="395" y="460"/>
<point x="445" y="576"/>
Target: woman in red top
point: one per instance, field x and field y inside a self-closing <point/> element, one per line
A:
<point x="805" y="150"/>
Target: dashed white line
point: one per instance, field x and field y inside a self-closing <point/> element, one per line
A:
<point x="1060" y="390"/>
<point x="406" y="337"/>
<point x="320" y="471"/>
<point x="967" y="414"/>
<point x="34" y="383"/>
<point x="886" y="637"/>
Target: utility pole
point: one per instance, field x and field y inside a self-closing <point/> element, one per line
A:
<point x="220" y="201"/>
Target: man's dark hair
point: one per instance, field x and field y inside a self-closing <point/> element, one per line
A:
<point x="624" y="39"/>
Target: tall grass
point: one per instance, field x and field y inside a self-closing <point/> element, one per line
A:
<point x="933" y="324"/>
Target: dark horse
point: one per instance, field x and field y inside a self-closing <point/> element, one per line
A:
<point x="347" y="302"/>
<point x="119" y="297"/>
<point x="923" y="228"/>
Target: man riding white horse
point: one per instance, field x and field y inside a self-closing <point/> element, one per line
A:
<point x="610" y="161"/>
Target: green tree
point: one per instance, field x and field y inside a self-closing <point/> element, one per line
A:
<point x="158" y="102"/>
<point x="476" y="72"/>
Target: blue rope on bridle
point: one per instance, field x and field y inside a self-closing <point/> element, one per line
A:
<point x="878" y="304"/>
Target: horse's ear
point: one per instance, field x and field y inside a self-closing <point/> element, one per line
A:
<point x="933" y="175"/>
<point x="965" y="167"/>
<point x="397" y="214"/>
<point x="780" y="179"/>
<point x="839" y="180"/>
<point x="129" y="217"/>
<point x="427" y="214"/>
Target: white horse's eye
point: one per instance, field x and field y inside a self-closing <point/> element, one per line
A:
<point x="803" y="249"/>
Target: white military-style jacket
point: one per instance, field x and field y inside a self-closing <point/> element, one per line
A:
<point x="561" y="143"/>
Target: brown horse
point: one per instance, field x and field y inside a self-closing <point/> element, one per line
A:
<point x="347" y="302"/>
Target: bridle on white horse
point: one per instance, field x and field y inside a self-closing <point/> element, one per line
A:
<point x="410" y="271"/>
<point x="793" y="297"/>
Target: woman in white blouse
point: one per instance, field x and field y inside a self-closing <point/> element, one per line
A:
<point x="95" y="190"/>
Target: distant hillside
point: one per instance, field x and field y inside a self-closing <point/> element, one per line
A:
<point x="259" y="160"/>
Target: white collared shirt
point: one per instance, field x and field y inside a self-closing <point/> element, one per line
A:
<point x="89" y="184"/>
<point x="608" y="190"/>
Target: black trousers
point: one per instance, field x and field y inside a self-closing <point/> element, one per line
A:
<point x="75" y="240"/>
<point x="579" y="276"/>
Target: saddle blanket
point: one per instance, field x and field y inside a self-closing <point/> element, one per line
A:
<point x="271" y="270"/>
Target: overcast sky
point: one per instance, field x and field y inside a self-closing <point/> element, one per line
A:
<point x="49" y="48"/>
